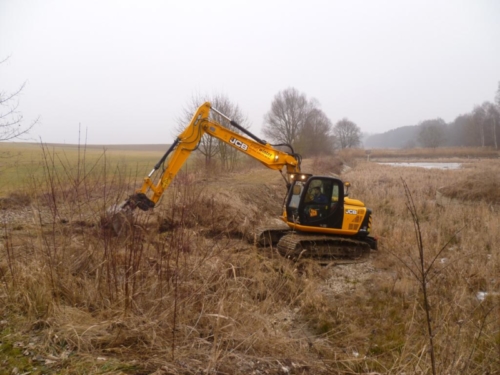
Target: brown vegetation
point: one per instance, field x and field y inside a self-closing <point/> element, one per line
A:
<point x="480" y="184"/>
<point x="185" y="293"/>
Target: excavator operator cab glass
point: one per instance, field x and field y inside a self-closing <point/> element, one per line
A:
<point x="335" y="193"/>
<point x="296" y="194"/>
<point x="317" y="202"/>
<point x="316" y="192"/>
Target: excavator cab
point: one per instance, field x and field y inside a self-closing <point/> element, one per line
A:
<point x="316" y="202"/>
<point x="325" y="222"/>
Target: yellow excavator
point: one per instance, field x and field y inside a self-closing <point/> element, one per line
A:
<point x="322" y="221"/>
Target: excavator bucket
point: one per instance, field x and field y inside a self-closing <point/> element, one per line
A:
<point x="119" y="217"/>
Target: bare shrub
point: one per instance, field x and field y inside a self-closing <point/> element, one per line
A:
<point x="15" y="200"/>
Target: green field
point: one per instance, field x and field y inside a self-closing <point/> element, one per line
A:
<point x="23" y="164"/>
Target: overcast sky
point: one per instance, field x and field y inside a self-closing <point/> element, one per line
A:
<point x="124" y="70"/>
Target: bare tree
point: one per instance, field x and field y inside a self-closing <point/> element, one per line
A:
<point x="211" y="147"/>
<point x="347" y="134"/>
<point x="492" y="116"/>
<point x="432" y="133"/>
<point x="478" y="116"/>
<point x="497" y="96"/>
<point x="486" y="119"/>
<point x="463" y="132"/>
<point x="228" y="155"/>
<point x="11" y="120"/>
<point x="496" y="109"/>
<point x="315" y="136"/>
<point x="297" y="121"/>
<point x="286" y="118"/>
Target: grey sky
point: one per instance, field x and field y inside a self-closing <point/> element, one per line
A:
<point x="124" y="70"/>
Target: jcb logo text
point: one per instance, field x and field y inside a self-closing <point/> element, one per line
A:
<point x="239" y="144"/>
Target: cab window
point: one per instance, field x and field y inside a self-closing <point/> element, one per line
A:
<point x="296" y="192"/>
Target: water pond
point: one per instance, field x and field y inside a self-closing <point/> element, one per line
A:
<point x="427" y="165"/>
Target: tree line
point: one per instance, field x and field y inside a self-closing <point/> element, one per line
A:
<point x="478" y="128"/>
<point x="298" y="121"/>
<point x="295" y="120"/>
<point x="292" y="120"/>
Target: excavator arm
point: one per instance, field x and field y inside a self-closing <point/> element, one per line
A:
<point x="148" y="195"/>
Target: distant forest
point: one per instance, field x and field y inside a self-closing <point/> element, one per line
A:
<point x="479" y="128"/>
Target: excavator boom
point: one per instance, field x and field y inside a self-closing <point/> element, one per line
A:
<point x="148" y="195"/>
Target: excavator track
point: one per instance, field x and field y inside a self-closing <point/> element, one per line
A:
<point x="323" y="248"/>
<point x="269" y="236"/>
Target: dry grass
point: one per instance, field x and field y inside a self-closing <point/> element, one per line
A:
<point x="183" y="293"/>
<point x="469" y="264"/>
<point x="480" y="184"/>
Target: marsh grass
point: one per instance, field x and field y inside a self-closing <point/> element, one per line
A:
<point x="479" y="185"/>
<point x="181" y="293"/>
<point x="464" y="238"/>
